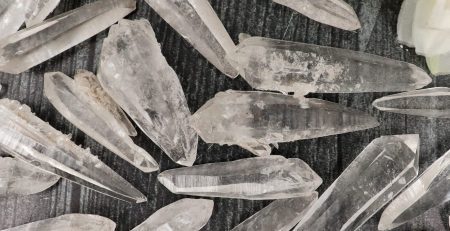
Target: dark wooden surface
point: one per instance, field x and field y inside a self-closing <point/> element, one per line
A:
<point x="328" y="156"/>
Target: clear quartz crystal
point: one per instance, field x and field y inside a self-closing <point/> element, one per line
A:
<point x="91" y="116"/>
<point x="379" y="173"/>
<point x="259" y="178"/>
<point x="40" y="10"/>
<point x="137" y="76"/>
<point x="405" y="22"/>
<point x="32" y="140"/>
<point x="12" y="15"/>
<point x="182" y="215"/>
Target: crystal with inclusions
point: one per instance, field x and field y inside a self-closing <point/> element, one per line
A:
<point x="253" y="120"/>
<point x="34" y="45"/>
<point x="336" y="13"/>
<point x="94" y="118"/>
<point x="182" y="215"/>
<point x="285" y="66"/>
<point x="380" y="172"/>
<point x="280" y="215"/>
<point x="431" y="189"/>
<point x="197" y="22"/>
<point x="19" y="178"/>
<point x="259" y="178"/>
<point x="32" y="140"/>
<point x="137" y="76"/>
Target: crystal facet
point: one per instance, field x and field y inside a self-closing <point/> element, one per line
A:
<point x="137" y="76"/>
<point x="40" y="10"/>
<point x="405" y="22"/>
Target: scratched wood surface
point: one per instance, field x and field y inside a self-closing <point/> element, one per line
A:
<point x="328" y="156"/>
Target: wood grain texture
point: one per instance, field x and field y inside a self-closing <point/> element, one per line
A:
<point x="328" y="156"/>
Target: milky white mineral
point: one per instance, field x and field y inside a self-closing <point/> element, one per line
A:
<point x="405" y="22"/>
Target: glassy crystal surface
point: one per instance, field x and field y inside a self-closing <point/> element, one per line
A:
<point x="260" y="178"/>
<point x="253" y="120"/>
<point x="280" y="215"/>
<point x="12" y="15"/>
<point x="32" y="140"/>
<point x="431" y="189"/>
<point x="34" y="45"/>
<point x="137" y="76"/>
<point x="377" y="174"/>
<point x="269" y="64"/>
<point x="405" y="22"/>
<point x="93" y="118"/>
<point x="182" y="215"/>
<point x="197" y="22"/>
<point x="40" y="10"/>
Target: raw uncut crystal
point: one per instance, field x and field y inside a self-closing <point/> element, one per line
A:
<point x="405" y="22"/>
<point x="91" y="116"/>
<point x="197" y="22"/>
<point x="253" y="120"/>
<point x="40" y="10"/>
<point x="32" y="46"/>
<point x="431" y="189"/>
<point x="280" y="215"/>
<point x="32" y="140"/>
<point x="19" y="178"/>
<point x="380" y="172"/>
<point x="182" y="215"/>
<point x="336" y="13"/>
<point x="137" y="76"/>
<point x="259" y="178"/>
<point x="269" y="64"/>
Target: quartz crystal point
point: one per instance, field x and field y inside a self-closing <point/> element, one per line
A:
<point x="182" y="215"/>
<point x="34" y="45"/>
<point x="40" y="10"/>
<point x="431" y="189"/>
<point x="336" y="13"/>
<point x="32" y="140"/>
<point x="253" y="120"/>
<point x="259" y="178"/>
<point x="405" y="22"/>
<point x="137" y="76"/>
<point x="431" y="102"/>
<point x="93" y="118"/>
<point x="269" y="64"/>
<point x="197" y="22"/>
<point x="280" y="215"/>
<point x="70" y="222"/>
<point x="19" y="178"/>
<point x="380" y="172"/>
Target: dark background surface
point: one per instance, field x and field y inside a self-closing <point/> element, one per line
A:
<point x="328" y="156"/>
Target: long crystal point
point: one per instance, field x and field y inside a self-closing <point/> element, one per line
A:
<point x="91" y="116"/>
<point x="336" y="13"/>
<point x="197" y="22"/>
<point x="379" y="173"/>
<point x="182" y="215"/>
<point x="259" y="178"/>
<point x="285" y="66"/>
<point x="40" y="10"/>
<point x="253" y="120"/>
<point x="280" y="215"/>
<point x="431" y="189"/>
<point x="19" y="178"/>
<point x="137" y="76"/>
<point x="34" y="45"/>
<point x="12" y="15"/>
<point x="32" y="140"/>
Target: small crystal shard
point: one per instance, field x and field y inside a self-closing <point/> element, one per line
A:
<point x="93" y="117"/>
<point x="259" y="178"/>
<point x="253" y="120"/>
<point x="137" y="76"/>
<point x="280" y="215"/>
<point x="182" y="215"/>
<point x="32" y="140"/>
<point x="379" y="173"/>
<point x="197" y="22"/>
<point x="431" y="189"/>
<point x="269" y="64"/>
<point x="40" y="10"/>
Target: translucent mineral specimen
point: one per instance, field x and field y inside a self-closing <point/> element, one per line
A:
<point x="40" y="10"/>
<point x="32" y="140"/>
<point x="182" y="215"/>
<point x="380" y="172"/>
<point x="259" y="178"/>
<point x="197" y="22"/>
<point x="94" y="118"/>
<point x="137" y="76"/>
<point x="253" y="120"/>
<point x="405" y="22"/>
